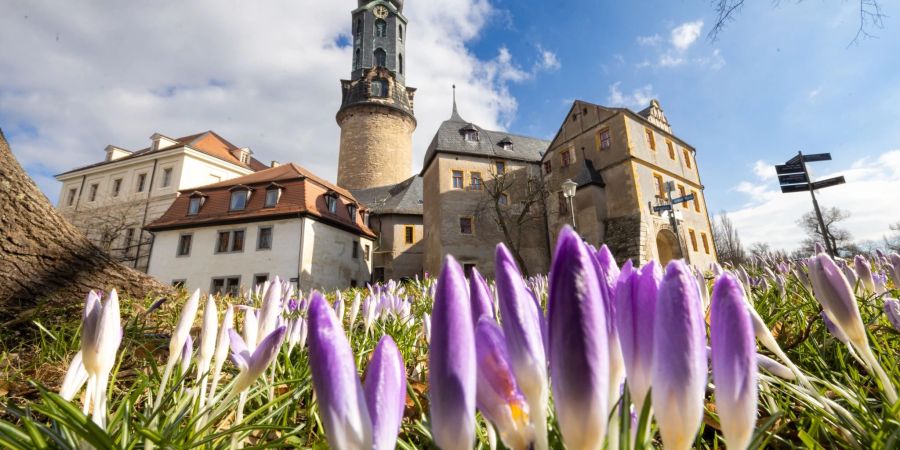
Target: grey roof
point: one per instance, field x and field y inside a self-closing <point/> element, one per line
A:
<point x="588" y="176"/>
<point x="402" y="198"/>
<point x="449" y="139"/>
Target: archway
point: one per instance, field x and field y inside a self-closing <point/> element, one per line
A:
<point x="667" y="247"/>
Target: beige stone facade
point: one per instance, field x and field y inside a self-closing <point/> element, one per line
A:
<point x="376" y="146"/>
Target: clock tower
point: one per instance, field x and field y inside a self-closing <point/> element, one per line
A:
<point x="376" y="115"/>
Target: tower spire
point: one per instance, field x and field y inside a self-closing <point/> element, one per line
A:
<point x="455" y="116"/>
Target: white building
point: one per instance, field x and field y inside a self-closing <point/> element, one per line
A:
<point x="111" y="201"/>
<point x="281" y="221"/>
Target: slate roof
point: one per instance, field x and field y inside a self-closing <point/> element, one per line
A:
<point x="207" y="142"/>
<point x="402" y="198"/>
<point x="450" y="139"/>
<point x="589" y="176"/>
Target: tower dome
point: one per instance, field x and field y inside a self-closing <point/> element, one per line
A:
<point x="397" y="4"/>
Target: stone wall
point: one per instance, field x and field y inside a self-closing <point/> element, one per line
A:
<point x="376" y="147"/>
<point x="624" y="237"/>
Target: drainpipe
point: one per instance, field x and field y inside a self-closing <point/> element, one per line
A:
<point x="300" y="258"/>
<point x="137" y="256"/>
<point x="80" y="190"/>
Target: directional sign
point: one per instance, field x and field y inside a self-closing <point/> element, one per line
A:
<point x="686" y="198"/>
<point x="794" y="160"/>
<point x="817" y="157"/>
<point x="662" y="208"/>
<point x="829" y="182"/>
<point x="794" y="188"/>
<point x="789" y="168"/>
<point x="793" y="178"/>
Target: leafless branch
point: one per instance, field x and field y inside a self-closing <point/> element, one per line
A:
<point x="726" y="10"/>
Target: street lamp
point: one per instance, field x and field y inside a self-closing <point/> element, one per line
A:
<point x="568" y="188"/>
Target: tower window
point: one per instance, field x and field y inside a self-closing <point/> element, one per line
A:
<point x="380" y="58"/>
<point x="379" y="87"/>
<point x="380" y="28"/>
<point x="356" y="59"/>
<point x="400" y="32"/>
<point x="400" y="63"/>
<point x="359" y="28"/>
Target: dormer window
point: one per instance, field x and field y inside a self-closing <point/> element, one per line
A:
<point x="273" y="194"/>
<point x="331" y="201"/>
<point x="240" y="196"/>
<point x="351" y="210"/>
<point x="470" y="133"/>
<point x="506" y="144"/>
<point x="196" y="202"/>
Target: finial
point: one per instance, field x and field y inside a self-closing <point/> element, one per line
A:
<point x="455" y="114"/>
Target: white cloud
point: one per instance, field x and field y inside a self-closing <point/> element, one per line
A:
<point x="669" y="60"/>
<point x="638" y="98"/>
<point x="684" y="35"/>
<point x="649" y="40"/>
<point x="266" y="76"/>
<point x="770" y="216"/>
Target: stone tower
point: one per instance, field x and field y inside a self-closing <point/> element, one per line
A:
<point x="376" y="115"/>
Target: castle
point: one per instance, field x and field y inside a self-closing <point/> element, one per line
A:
<point x="201" y="212"/>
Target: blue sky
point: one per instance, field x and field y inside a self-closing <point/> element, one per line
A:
<point x="779" y="79"/>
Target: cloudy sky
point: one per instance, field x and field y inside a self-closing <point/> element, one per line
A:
<point x="76" y="76"/>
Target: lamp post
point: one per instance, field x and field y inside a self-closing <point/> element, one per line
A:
<point x="569" y="188"/>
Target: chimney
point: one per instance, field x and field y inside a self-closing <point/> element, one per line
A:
<point x="274" y="164"/>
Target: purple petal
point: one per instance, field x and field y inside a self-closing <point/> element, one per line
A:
<point x="90" y="323"/>
<point x="186" y="353"/>
<point x="239" y="352"/>
<point x="342" y="403"/>
<point x="481" y="297"/>
<point x="836" y="297"/>
<point x="834" y="329"/>
<point x="635" y="307"/>
<point x="895" y="262"/>
<point x="733" y="345"/>
<point x="385" y="391"/>
<point x="892" y="311"/>
<point x="451" y="361"/>
<point x="610" y="268"/>
<point x="579" y="355"/>
<point x="679" y="357"/>
<point x="266" y="351"/>
<point x="864" y="273"/>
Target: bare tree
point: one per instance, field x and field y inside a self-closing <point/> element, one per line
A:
<point x="515" y="200"/>
<point x="728" y="243"/>
<point x="871" y="16"/>
<point x="113" y="228"/>
<point x="763" y="253"/>
<point x="893" y="242"/>
<point x="839" y="238"/>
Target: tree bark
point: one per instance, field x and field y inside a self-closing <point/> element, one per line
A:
<point x="47" y="266"/>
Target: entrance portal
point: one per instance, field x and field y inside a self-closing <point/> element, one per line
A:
<point x="667" y="247"/>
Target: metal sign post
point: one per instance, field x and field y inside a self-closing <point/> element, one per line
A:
<point x="670" y="186"/>
<point x="793" y="176"/>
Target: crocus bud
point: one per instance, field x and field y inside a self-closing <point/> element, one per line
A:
<point x="635" y="310"/>
<point x="892" y="311"/>
<point x="834" y="330"/>
<point x="270" y="310"/>
<point x="864" y="274"/>
<point x="451" y="362"/>
<point x="480" y="296"/>
<point x="895" y="263"/>
<point x="775" y="367"/>
<point x="183" y="329"/>
<point x="252" y="365"/>
<point x="186" y="353"/>
<point x="109" y="334"/>
<point x="385" y="393"/>
<point x="90" y="323"/>
<point x="221" y="354"/>
<point x="525" y="344"/>
<point x="834" y="293"/>
<point x="354" y="310"/>
<point x="498" y="397"/>
<point x="579" y="355"/>
<point x="733" y="362"/>
<point x="679" y="358"/>
<point x="207" y="339"/>
<point x="251" y="328"/>
<point x="75" y="378"/>
<point x="819" y="248"/>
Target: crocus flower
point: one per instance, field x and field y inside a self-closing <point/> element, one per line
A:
<point x="270" y="311"/>
<point x="775" y="367"/>
<point x="222" y="346"/>
<point x="354" y="311"/>
<point x="895" y="262"/>
<point x="176" y="342"/>
<point x="733" y="362"/>
<point x="342" y="402"/>
<point x="252" y="365"/>
<point x="679" y="358"/>
<point x="522" y="329"/>
<point x="101" y="336"/>
<point x="385" y="393"/>
<point x="498" y="397"/>
<point x="451" y="362"/>
<point x="251" y="327"/>
<point x="186" y="353"/>
<point x="207" y="344"/>
<point x="635" y="307"/>
<point x="75" y="378"/>
<point x="481" y="297"/>
<point x="579" y="355"/>
<point x="608" y="274"/>
<point x="864" y="274"/>
<point x="834" y="330"/>
<point x="892" y="311"/>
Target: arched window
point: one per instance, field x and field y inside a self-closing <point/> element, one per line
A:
<point x="400" y="32"/>
<point x="400" y="63"/>
<point x="380" y="58"/>
<point x="380" y="28"/>
<point x="356" y="59"/>
<point x="359" y="28"/>
<point x="379" y="87"/>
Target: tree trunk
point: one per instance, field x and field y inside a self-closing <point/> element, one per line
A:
<point x="47" y="266"/>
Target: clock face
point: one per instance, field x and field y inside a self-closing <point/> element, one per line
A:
<point x="380" y="11"/>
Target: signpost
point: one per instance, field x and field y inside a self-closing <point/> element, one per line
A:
<point x="686" y="198"/>
<point x="793" y="176"/>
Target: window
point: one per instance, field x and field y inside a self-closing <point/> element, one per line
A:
<point x="230" y="241"/>
<point x="693" y="239"/>
<point x="660" y="186"/>
<point x="93" y="192"/>
<point x="260" y="278"/>
<point x="71" y="200"/>
<point x="400" y="63"/>
<point x="705" y="242"/>
<point x="184" y="245"/>
<point x="351" y="211"/>
<point x="379" y="87"/>
<point x="470" y="135"/>
<point x="466" y="225"/>
<point x="116" y="187"/>
<point x="682" y="193"/>
<point x="355" y="249"/>
<point x="331" y="203"/>
<point x="356" y="56"/>
<point x="264" y="238"/>
<point x="222" y="242"/>
<point x="563" y="203"/>
<point x="226" y="286"/>
<point x="500" y="167"/>
<point x="359" y="28"/>
<point x="380" y="58"/>
<point x="566" y="158"/>
<point x="237" y="241"/>
<point x="506" y="144"/>
<point x="671" y="149"/>
<point x="380" y="28"/>
<point x="409" y="233"/>
<point x="476" y="184"/>
<point x="458" y="179"/>
<point x="503" y="199"/>
<point x="400" y="32"/>
<point x="366" y="252"/>
<point x="687" y="158"/>
<point x="651" y="141"/>
<point x="696" y="201"/>
<point x="194" y="205"/>
<point x="141" y="180"/>
<point x="167" y="177"/>
<point x="179" y="284"/>
<point x="272" y="195"/>
<point x="547" y="167"/>
<point x="239" y="200"/>
<point x="604" y="139"/>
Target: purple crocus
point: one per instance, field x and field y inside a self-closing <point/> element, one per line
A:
<point x="498" y="396"/>
<point x="892" y="311"/>
<point x="895" y="263"/>
<point x="733" y="362"/>
<point x="480" y="294"/>
<point x="451" y="361"/>
<point x="385" y="393"/>
<point x="253" y="364"/>
<point x="579" y="353"/>
<point x="679" y="358"/>
<point x="864" y="274"/>
<point x="834" y="293"/>
<point x="342" y="402"/>
<point x="524" y="341"/>
<point x="635" y="310"/>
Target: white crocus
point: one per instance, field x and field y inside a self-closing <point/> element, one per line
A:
<point x="176" y="343"/>
<point x="207" y="345"/>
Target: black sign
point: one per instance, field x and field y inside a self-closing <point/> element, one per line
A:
<point x="817" y="157"/>
<point x="794" y="188"/>
<point x="794" y="160"/>
<point x="794" y="178"/>
<point x="686" y="198"/>
<point x="662" y="208"/>
<point x="829" y="182"/>
<point x="789" y="168"/>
